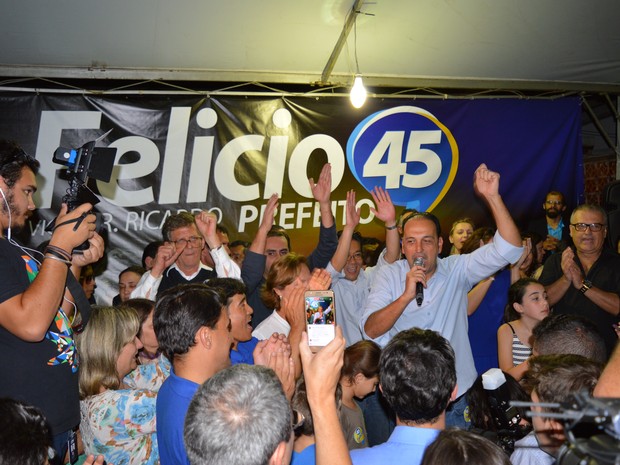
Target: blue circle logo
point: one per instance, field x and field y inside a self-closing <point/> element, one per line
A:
<point x="408" y="152"/>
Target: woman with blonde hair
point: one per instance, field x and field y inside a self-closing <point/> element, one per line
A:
<point x="459" y="233"/>
<point x="117" y="422"/>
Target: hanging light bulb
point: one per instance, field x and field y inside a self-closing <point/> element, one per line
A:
<point x="358" y="92"/>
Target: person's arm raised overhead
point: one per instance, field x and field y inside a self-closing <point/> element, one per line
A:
<point x="486" y="185"/>
<point x="259" y="241"/>
<point x="321" y="191"/>
<point x="339" y="260"/>
<point x="328" y="238"/>
<point x="386" y="212"/>
<point x="322" y="373"/>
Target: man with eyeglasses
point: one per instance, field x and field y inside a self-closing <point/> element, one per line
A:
<point x="586" y="281"/>
<point x="552" y="228"/>
<point x="178" y="260"/>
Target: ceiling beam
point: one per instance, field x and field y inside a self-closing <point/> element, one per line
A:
<point x="405" y="84"/>
<point x="344" y="34"/>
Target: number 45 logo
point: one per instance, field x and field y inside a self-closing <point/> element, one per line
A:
<point x="414" y="153"/>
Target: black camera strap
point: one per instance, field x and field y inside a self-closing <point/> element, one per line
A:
<point x="81" y="302"/>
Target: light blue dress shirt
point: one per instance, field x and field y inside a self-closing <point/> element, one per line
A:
<point x="444" y="308"/>
<point x="406" y="445"/>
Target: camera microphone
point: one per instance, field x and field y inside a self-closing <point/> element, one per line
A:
<point x="419" y="288"/>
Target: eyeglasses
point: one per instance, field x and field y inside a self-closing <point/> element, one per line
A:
<point x="356" y="257"/>
<point x="554" y="202"/>
<point x="193" y="241"/>
<point x="594" y="227"/>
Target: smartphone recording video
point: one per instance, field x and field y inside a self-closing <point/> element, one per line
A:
<point x="320" y="318"/>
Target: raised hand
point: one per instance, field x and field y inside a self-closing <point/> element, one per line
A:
<point x="320" y="280"/>
<point x="321" y="191"/>
<point x="322" y="370"/>
<point x="385" y="210"/>
<point x="352" y="214"/>
<point x="206" y="222"/>
<point x="486" y="182"/>
<point x="166" y="256"/>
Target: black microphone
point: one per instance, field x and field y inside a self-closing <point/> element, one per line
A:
<point x="419" y="288"/>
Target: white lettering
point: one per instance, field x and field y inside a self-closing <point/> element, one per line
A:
<point x="286" y="214"/>
<point x="416" y="153"/>
<point x="301" y="213"/>
<point x="248" y="214"/>
<point x="126" y="174"/>
<point x="301" y="155"/>
<point x="174" y="155"/>
<point x="225" y="168"/>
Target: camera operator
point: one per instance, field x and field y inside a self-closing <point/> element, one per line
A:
<point x="38" y="361"/>
<point x="554" y="379"/>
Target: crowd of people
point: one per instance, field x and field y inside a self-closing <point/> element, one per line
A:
<point x="203" y="358"/>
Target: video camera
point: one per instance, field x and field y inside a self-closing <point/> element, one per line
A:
<point x="505" y="416"/>
<point x="591" y="426"/>
<point x="86" y="162"/>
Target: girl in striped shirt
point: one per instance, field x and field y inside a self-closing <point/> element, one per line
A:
<point x="527" y="306"/>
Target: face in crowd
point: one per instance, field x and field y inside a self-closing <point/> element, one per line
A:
<point x="554" y="205"/>
<point x="420" y="240"/>
<point x="355" y="261"/>
<point x="459" y="234"/>
<point x="17" y="204"/>
<point x="190" y="238"/>
<point x="588" y="241"/>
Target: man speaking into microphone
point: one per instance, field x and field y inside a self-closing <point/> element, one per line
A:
<point x="428" y="292"/>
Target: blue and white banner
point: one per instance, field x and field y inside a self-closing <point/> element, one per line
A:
<point x="229" y="154"/>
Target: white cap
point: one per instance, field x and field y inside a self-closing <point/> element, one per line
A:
<point x="492" y="379"/>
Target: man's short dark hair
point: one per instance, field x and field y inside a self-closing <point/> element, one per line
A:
<point x="137" y="269"/>
<point x="277" y="231"/>
<point x="240" y="415"/>
<point x="425" y="215"/>
<point x="180" y="312"/>
<point x="239" y="242"/>
<point x="174" y="222"/>
<point x="569" y="334"/>
<point x="12" y="161"/>
<point x="24" y="434"/>
<point x="150" y="251"/>
<point x="557" y="194"/>
<point x="357" y="237"/>
<point x="555" y="378"/>
<point x="227" y="287"/>
<point x="418" y="375"/>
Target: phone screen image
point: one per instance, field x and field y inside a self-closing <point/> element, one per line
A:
<point x="320" y="317"/>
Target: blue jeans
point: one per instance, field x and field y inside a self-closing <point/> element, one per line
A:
<point x="379" y="418"/>
<point x="457" y="414"/>
<point x="59" y="444"/>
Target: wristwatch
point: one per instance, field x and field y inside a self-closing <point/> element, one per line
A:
<point x="585" y="286"/>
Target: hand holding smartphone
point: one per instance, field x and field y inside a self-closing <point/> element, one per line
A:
<point x="320" y="318"/>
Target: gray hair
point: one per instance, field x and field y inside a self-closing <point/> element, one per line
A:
<point x="589" y="208"/>
<point x="239" y="416"/>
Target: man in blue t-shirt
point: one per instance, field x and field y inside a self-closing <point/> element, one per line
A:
<point x="193" y="329"/>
